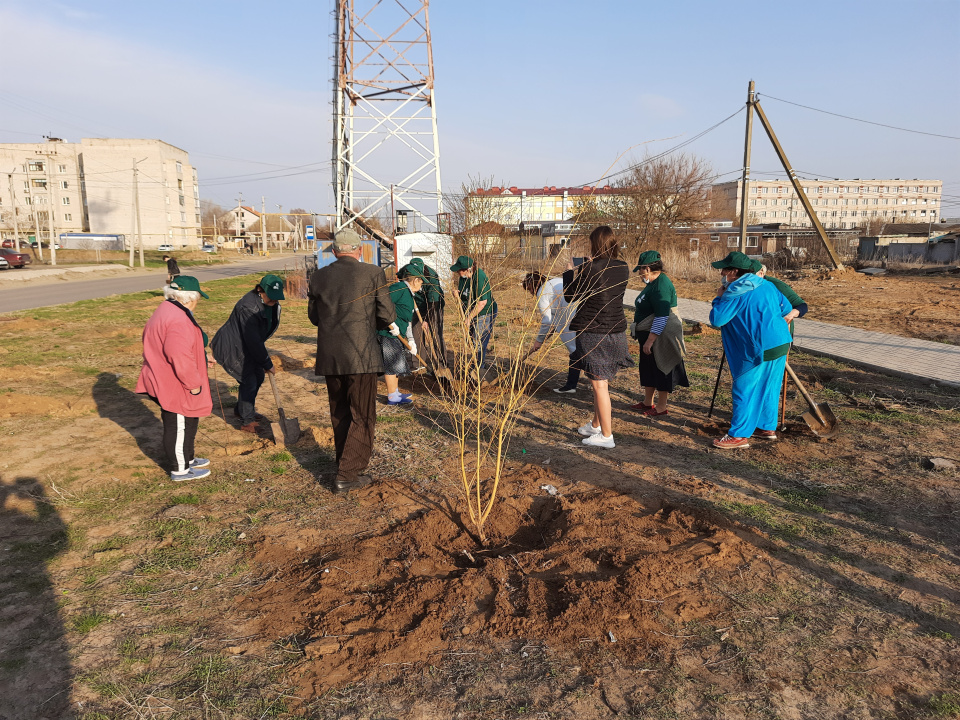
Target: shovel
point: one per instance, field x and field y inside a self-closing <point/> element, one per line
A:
<point x="287" y="431"/>
<point x="439" y="372"/>
<point x="440" y="369"/>
<point x="820" y="419"/>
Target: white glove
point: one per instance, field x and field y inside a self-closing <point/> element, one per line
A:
<point x="394" y="330"/>
<point x="413" y="347"/>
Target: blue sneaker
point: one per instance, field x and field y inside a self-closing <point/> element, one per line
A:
<point x="404" y="400"/>
<point x="406" y="395"/>
<point x="189" y="474"/>
<point x="198" y="463"/>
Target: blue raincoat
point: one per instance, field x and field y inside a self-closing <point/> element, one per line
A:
<point x="750" y="317"/>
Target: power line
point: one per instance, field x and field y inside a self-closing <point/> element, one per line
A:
<point x="868" y="122"/>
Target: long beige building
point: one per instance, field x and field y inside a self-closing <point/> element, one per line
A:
<point x="61" y="187"/>
<point x="840" y="204"/>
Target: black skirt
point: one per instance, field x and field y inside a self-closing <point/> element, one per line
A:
<point x="652" y="376"/>
<point x="600" y="356"/>
<point x="394" y="356"/>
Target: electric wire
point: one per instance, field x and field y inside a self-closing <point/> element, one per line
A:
<point x="868" y="122"/>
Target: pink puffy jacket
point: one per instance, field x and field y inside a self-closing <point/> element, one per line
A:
<point x="174" y="362"/>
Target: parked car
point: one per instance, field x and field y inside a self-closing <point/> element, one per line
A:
<point x="209" y="248"/>
<point x="15" y="259"/>
<point x="165" y="248"/>
<point x="35" y="245"/>
<point x="7" y="243"/>
<point x="4" y="264"/>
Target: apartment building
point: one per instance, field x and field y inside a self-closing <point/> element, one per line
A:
<point x="88" y="186"/>
<point x="839" y="204"/>
<point x="511" y="206"/>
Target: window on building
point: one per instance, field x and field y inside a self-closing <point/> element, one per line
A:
<point x="923" y="213"/>
<point x="834" y="201"/>
<point x="64" y="201"/>
<point x="843" y="213"/>
<point x="733" y="241"/>
<point x="753" y="241"/>
<point x="846" y="202"/>
<point x="763" y="214"/>
<point x="67" y="217"/>
<point x="763" y="191"/>
<point x="35" y="166"/>
<point x="26" y="185"/>
<point x="167" y="199"/>
<point x="183" y="217"/>
<point x="169" y="217"/>
<point x="179" y="167"/>
<point x="64" y="185"/>
<point x="197" y="220"/>
<point x="28" y="200"/>
<point x="61" y="168"/>
<point x="753" y="201"/>
<point x="833" y="213"/>
<point x="913" y="201"/>
<point x="714" y="238"/>
<point x="43" y="201"/>
<point x="39" y="182"/>
<point x="182" y="204"/>
<point x="783" y="213"/>
<point x="180" y="184"/>
<point x="753" y="191"/>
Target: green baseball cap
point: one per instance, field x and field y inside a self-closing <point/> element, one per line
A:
<point x="648" y="257"/>
<point x="273" y="286"/>
<point x="737" y="260"/>
<point x="411" y="270"/>
<point x="188" y="283"/>
<point x="463" y="262"/>
<point x="756" y="266"/>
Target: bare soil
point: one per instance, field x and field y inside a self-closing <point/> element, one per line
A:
<point x="796" y="579"/>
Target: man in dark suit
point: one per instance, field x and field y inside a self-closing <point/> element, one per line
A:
<point x="348" y="302"/>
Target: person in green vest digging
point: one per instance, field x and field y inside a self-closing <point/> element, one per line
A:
<point x="394" y="359"/>
<point x="659" y="330"/>
<point x="479" y="307"/>
<point x="430" y="302"/>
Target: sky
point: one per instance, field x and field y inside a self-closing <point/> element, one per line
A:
<point x="528" y="92"/>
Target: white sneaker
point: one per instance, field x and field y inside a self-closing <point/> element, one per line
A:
<point x="189" y="474"/>
<point x="600" y="440"/>
<point x="587" y="429"/>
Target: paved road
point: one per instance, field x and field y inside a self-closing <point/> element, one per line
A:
<point x="882" y="352"/>
<point x="58" y="292"/>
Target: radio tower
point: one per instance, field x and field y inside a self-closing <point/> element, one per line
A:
<point x="386" y="153"/>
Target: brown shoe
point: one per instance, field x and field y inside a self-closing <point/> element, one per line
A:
<point x="344" y="485"/>
<point x="251" y="428"/>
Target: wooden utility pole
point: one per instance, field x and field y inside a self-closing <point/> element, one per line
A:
<point x="52" y="197"/>
<point x="16" y="224"/>
<point x="263" y="222"/>
<point x="798" y="188"/>
<point x="36" y="228"/>
<point x="136" y="208"/>
<point x="745" y="181"/>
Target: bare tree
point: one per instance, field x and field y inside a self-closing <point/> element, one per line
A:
<point x="655" y="197"/>
<point x="209" y="214"/>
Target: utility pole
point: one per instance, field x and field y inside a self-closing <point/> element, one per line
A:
<point x="36" y="228"/>
<point x="136" y="207"/>
<point x="745" y="181"/>
<point x="13" y="202"/>
<point x="263" y="222"/>
<point x="51" y="196"/>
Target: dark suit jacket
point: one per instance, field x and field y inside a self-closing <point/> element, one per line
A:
<point x="348" y="302"/>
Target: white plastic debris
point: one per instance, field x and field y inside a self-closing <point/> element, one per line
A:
<point x="612" y="638"/>
<point x="550" y="489"/>
<point x="250" y="480"/>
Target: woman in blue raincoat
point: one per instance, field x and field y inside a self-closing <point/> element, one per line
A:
<point x="753" y="318"/>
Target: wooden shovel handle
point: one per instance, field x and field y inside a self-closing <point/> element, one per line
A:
<point x="276" y="396"/>
<point x="402" y="339"/>
<point x="806" y="396"/>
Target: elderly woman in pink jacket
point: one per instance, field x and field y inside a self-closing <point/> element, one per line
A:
<point x="174" y="374"/>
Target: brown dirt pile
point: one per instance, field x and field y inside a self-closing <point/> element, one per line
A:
<point x="566" y="569"/>
<point x="12" y="404"/>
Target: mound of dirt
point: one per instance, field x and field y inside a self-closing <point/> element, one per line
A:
<point x="570" y="569"/>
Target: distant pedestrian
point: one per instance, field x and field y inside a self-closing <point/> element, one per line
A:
<point x="174" y="375"/>
<point x="659" y="330"/>
<point x="240" y="345"/>
<point x="750" y="313"/>
<point x="479" y="307"/>
<point x="173" y="270"/>
<point x="598" y="286"/>
<point x="555" y="315"/>
<point x="349" y="301"/>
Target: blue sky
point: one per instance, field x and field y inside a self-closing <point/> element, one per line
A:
<point x="529" y="92"/>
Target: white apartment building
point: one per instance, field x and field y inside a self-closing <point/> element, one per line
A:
<point x="839" y="204"/>
<point x="88" y="186"/>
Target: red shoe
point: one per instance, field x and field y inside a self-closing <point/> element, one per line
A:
<point x="652" y="412"/>
<point x="731" y="443"/>
<point x="640" y="407"/>
<point x="251" y="428"/>
<point x="765" y="434"/>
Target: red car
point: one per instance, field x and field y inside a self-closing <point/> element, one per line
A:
<point x="16" y="260"/>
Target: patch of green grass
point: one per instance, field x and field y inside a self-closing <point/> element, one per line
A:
<point x="169" y="558"/>
<point x="88" y="621"/>
<point x="801" y="499"/>
<point x="184" y="499"/>
<point x="945" y="705"/>
<point x="278" y="469"/>
<point x="114" y="543"/>
<point x="282" y="456"/>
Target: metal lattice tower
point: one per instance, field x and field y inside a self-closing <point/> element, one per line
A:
<point x="385" y="145"/>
